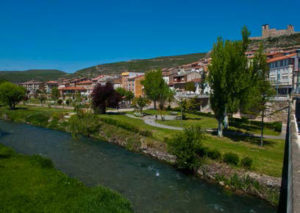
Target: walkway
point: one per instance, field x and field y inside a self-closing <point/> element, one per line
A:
<point x="150" y="120"/>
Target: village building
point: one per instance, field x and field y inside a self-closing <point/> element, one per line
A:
<point x="33" y="86"/>
<point x="49" y="85"/>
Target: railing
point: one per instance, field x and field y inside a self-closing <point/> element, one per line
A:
<point x="286" y="191"/>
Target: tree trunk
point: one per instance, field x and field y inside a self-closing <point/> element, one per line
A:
<point x="262" y="127"/>
<point x="226" y="123"/>
<point x="220" y="130"/>
<point x="154" y="102"/>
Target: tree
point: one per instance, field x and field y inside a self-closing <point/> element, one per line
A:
<point x="140" y="103"/>
<point x="11" y="94"/>
<point x="55" y="93"/>
<point x="228" y="77"/>
<point x="42" y="97"/>
<point x="129" y="96"/>
<point x="153" y="85"/>
<point x="104" y="96"/>
<point x="260" y="89"/>
<point x="190" y="86"/>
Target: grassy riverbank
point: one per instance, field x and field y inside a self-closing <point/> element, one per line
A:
<point x="266" y="160"/>
<point x="32" y="184"/>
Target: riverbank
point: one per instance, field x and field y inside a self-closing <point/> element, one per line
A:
<point x="249" y="182"/>
<point x="31" y="184"/>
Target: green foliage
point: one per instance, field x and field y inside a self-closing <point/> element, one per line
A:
<point x="38" y="118"/>
<point x="44" y="163"/>
<point x="277" y="126"/>
<point x="11" y="94"/>
<point x="231" y="158"/>
<point x="83" y="124"/>
<point x="55" y="93"/>
<point x="30" y="184"/>
<point x="60" y="101"/>
<point x="185" y="146"/>
<point x="247" y="162"/>
<point x="214" y="154"/>
<point x="140" y="103"/>
<point x="6" y="152"/>
<point x="228" y="76"/>
<point x="39" y="75"/>
<point x="190" y="86"/>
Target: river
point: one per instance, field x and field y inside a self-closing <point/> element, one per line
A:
<point x="150" y="185"/>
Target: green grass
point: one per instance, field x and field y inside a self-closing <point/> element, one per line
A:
<point x="210" y="122"/>
<point x="31" y="184"/>
<point x="266" y="160"/>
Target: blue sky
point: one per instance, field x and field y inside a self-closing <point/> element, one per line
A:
<point x="70" y="35"/>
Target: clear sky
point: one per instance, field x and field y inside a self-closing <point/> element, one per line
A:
<point x="74" y="34"/>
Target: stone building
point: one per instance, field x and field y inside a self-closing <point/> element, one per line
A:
<point x="267" y="32"/>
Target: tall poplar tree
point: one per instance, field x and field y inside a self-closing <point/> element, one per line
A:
<point x="228" y="77"/>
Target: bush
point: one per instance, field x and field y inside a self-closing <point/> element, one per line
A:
<point x="38" y="118"/>
<point x="42" y="162"/>
<point x="247" y="162"/>
<point x="84" y="124"/>
<point x="277" y="126"/>
<point x="202" y="151"/>
<point x="6" y="152"/>
<point x="185" y="146"/>
<point x="231" y="158"/>
<point x="214" y="154"/>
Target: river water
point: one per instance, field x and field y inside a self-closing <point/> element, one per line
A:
<point x="150" y="185"/>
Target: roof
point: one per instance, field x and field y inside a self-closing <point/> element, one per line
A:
<point x="72" y="88"/>
<point x="281" y="58"/>
<point x="52" y="82"/>
<point x="85" y="82"/>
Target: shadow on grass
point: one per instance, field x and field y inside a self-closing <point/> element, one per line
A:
<point x="238" y="136"/>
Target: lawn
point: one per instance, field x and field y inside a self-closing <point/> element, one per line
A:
<point x="208" y="122"/>
<point x="32" y="184"/>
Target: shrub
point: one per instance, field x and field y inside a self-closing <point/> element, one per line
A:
<point x="185" y="147"/>
<point x="247" y="162"/>
<point x="231" y="158"/>
<point x="59" y="101"/>
<point x="277" y="126"/>
<point x="38" y="118"/>
<point x="42" y="162"/>
<point x="83" y="123"/>
<point x="202" y="151"/>
<point x="6" y="152"/>
<point x="214" y="154"/>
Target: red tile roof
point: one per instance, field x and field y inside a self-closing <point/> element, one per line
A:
<point x="72" y="88"/>
<point x="281" y="58"/>
<point x="85" y="82"/>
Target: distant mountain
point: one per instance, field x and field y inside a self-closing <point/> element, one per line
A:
<point x="39" y="75"/>
<point x="284" y="42"/>
<point x="141" y="65"/>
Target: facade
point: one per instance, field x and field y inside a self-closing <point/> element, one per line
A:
<point x="69" y="91"/>
<point x="284" y="72"/>
<point x="50" y="85"/>
<point x="33" y="86"/>
<point x="128" y="80"/>
<point x="138" y="87"/>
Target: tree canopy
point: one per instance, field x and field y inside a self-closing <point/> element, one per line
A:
<point x="11" y="94"/>
<point x="228" y="77"/>
<point x="104" y="96"/>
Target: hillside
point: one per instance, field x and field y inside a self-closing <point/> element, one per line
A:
<point x="140" y="65"/>
<point x="284" y="42"/>
<point x="39" y="75"/>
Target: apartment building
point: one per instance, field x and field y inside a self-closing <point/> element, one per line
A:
<point x="50" y="85"/>
<point x="284" y="72"/>
<point x="33" y="86"/>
